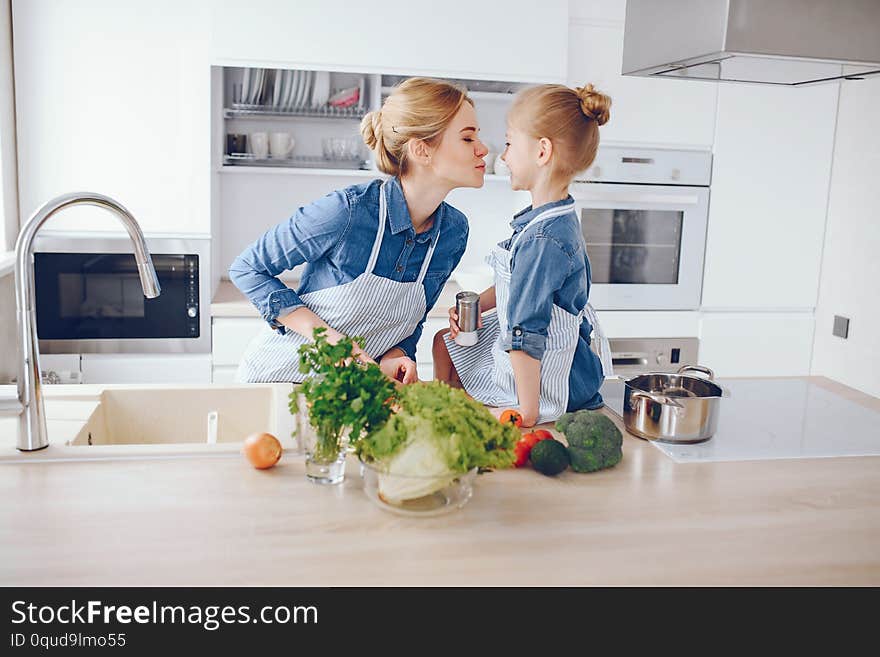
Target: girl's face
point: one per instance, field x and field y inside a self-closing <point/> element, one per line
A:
<point x="458" y="157"/>
<point x="521" y="154"/>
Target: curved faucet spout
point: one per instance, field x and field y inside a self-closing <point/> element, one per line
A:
<point x="32" y="423"/>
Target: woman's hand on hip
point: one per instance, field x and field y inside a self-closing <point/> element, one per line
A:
<point x="399" y="367"/>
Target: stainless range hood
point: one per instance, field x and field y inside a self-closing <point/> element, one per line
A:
<point x="782" y="42"/>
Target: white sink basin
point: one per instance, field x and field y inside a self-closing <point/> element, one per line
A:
<point x="150" y="420"/>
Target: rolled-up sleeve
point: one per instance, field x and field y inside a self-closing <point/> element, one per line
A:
<point x="308" y="235"/>
<point x="540" y="267"/>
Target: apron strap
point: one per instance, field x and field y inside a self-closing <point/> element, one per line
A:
<point x="547" y="214"/>
<point x="603" y="347"/>
<point x="377" y="244"/>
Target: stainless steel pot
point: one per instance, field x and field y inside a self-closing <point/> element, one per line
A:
<point x="673" y="408"/>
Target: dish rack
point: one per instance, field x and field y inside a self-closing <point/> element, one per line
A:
<point x="242" y="110"/>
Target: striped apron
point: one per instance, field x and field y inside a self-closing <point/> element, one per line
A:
<point x="378" y="309"/>
<point x="485" y="369"/>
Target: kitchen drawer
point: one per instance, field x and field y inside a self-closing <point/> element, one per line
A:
<point x="423" y="348"/>
<point x="231" y="336"/>
<point x="146" y="368"/>
<point x="426" y="371"/>
<point x="224" y="374"/>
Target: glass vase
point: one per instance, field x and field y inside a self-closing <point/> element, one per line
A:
<point x="324" y="455"/>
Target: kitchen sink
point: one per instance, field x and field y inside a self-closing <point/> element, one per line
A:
<point x="131" y="420"/>
<point x="158" y="417"/>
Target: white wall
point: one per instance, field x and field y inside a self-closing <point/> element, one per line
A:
<point x="8" y="166"/>
<point x="850" y="275"/>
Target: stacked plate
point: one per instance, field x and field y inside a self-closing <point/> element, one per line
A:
<point x="284" y="90"/>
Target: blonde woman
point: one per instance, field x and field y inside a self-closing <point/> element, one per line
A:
<point x="377" y="254"/>
<point x="534" y="352"/>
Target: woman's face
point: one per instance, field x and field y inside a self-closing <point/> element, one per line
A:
<point x="458" y="157"/>
<point x="521" y="152"/>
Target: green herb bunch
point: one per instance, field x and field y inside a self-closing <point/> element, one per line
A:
<point x="342" y="392"/>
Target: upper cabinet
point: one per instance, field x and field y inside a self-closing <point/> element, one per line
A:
<point x="114" y="97"/>
<point x="659" y="112"/>
<point x="770" y="180"/>
<point x="517" y="40"/>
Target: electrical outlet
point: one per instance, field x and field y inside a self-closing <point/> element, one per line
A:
<point x="841" y="327"/>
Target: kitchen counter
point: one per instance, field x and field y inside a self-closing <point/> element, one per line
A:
<point x="230" y="302"/>
<point x="217" y="521"/>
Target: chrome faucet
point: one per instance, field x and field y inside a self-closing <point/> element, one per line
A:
<point x="32" y="420"/>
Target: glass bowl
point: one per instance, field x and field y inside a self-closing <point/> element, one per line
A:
<point x="419" y="496"/>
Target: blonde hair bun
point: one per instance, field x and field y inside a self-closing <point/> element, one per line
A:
<point x="371" y="129"/>
<point x="417" y="108"/>
<point x="594" y="105"/>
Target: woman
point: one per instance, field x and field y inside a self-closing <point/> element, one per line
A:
<point x="377" y="254"/>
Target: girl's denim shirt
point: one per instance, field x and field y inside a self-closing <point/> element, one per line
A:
<point x="549" y="266"/>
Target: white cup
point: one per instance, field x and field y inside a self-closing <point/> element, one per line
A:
<point x="259" y="144"/>
<point x="280" y="144"/>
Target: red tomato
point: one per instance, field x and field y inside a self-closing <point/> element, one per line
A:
<point x="543" y="434"/>
<point x="521" y="453"/>
<point x="511" y="416"/>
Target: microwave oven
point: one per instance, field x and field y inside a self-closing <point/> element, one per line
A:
<point x="644" y="215"/>
<point x="88" y="296"/>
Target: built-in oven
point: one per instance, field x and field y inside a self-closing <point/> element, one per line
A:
<point x="88" y="296"/>
<point x="644" y="214"/>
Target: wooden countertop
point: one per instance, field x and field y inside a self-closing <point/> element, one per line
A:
<point x="217" y="521"/>
<point x="230" y="302"/>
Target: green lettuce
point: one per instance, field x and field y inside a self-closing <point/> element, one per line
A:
<point x="436" y="434"/>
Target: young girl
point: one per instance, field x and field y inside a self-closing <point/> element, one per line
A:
<point x="534" y="352"/>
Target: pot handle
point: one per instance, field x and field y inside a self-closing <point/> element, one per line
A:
<point x="660" y="399"/>
<point x="697" y="368"/>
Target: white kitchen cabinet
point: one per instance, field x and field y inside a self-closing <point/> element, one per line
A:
<point x="771" y="170"/>
<point x="515" y="40"/>
<point x="114" y="97"/>
<point x="230" y="337"/>
<point x="146" y="368"/>
<point x="424" y="355"/>
<point x="757" y="344"/>
<point x="656" y="112"/>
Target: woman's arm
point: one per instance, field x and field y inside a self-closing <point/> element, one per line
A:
<point x="307" y="236"/>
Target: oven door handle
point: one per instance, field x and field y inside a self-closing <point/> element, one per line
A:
<point x="677" y="200"/>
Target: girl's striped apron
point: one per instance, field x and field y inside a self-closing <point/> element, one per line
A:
<point x="485" y="369"/>
<point x="380" y="310"/>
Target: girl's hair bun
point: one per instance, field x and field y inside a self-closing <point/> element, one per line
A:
<point x="594" y="105"/>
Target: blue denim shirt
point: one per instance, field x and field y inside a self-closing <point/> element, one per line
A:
<point x="549" y="266"/>
<point x="334" y="235"/>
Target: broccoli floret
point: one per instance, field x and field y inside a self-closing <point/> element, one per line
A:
<point x="549" y="457"/>
<point x="594" y="442"/>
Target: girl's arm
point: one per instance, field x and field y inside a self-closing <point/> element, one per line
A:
<point x="539" y="268"/>
<point x="527" y="374"/>
<point x="487" y="299"/>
